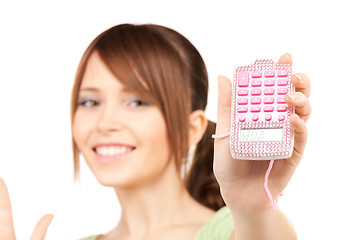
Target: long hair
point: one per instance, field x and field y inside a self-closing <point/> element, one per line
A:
<point x="160" y="63"/>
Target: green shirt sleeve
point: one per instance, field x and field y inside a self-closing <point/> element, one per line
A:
<point x="219" y="227"/>
<point x="89" y="237"/>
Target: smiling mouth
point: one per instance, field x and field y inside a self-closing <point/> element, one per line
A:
<point x="110" y="151"/>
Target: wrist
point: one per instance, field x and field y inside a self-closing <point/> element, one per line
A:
<point x="255" y="202"/>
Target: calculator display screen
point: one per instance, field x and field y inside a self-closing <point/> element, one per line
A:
<point x="261" y="135"/>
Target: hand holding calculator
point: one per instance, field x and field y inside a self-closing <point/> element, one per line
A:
<point x="260" y="127"/>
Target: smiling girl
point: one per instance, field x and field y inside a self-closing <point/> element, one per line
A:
<point x="137" y="107"/>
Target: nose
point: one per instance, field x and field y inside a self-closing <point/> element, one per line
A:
<point x="109" y="120"/>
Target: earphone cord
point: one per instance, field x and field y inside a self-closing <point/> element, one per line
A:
<point x="274" y="203"/>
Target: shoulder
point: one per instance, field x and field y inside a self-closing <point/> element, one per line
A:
<point x="219" y="227"/>
<point x="93" y="237"/>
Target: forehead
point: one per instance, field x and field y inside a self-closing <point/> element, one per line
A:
<point x="97" y="74"/>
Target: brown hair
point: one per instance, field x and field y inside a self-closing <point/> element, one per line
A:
<point x="161" y="65"/>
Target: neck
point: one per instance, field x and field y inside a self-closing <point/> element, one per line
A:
<point x="158" y="205"/>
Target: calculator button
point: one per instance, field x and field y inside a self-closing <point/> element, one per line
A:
<point x="243" y="92"/>
<point x="268" y="100"/>
<point x="256" y="74"/>
<point x="242" y="101"/>
<point x="256" y="92"/>
<point x="242" y="119"/>
<point x="242" y="109"/>
<point x="255" y="117"/>
<point x="282" y="108"/>
<point x="255" y="109"/>
<point x="243" y="79"/>
<point x="269" y="73"/>
<point x="282" y="91"/>
<point x="282" y="82"/>
<point x="269" y="82"/>
<point x="280" y="100"/>
<point x="268" y="108"/>
<point x="269" y="91"/>
<point x="268" y="117"/>
<point x="256" y="83"/>
<point x="283" y="73"/>
<point x="281" y="117"/>
<point x="255" y="100"/>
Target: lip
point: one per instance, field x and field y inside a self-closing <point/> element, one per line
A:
<point x="109" y="159"/>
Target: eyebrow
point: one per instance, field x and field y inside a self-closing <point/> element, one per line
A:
<point x="92" y="89"/>
<point x="95" y="89"/>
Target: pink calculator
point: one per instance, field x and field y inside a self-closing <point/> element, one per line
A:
<point x="260" y="127"/>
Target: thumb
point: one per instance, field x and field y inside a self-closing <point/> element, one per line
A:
<point x="224" y="106"/>
<point x="41" y="227"/>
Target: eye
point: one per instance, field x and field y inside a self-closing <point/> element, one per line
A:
<point x="88" y="102"/>
<point x="135" y="102"/>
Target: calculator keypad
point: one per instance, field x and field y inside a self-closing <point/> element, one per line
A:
<point x="261" y="95"/>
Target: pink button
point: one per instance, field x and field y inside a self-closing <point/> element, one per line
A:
<point x="242" y="101"/>
<point x="282" y="91"/>
<point x="282" y="82"/>
<point x="256" y="92"/>
<point x="269" y="73"/>
<point x="255" y="100"/>
<point x="242" y="119"/>
<point x="281" y="117"/>
<point x="256" y="83"/>
<point x="283" y="73"/>
<point x="256" y="74"/>
<point x="268" y="108"/>
<point x="280" y="100"/>
<point x="269" y="82"/>
<point x="243" y="79"/>
<point x="269" y="91"/>
<point x="255" y="109"/>
<point x="268" y="100"/>
<point x="243" y="92"/>
<point x="242" y="109"/>
<point x="282" y="108"/>
<point x="255" y="117"/>
<point x="268" y="117"/>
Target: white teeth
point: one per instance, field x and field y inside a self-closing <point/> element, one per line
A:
<point x="111" y="151"/>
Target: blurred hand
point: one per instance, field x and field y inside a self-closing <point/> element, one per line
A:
<point x="7" y="231"/>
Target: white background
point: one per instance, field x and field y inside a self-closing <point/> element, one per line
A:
<point x="41" y="44"/>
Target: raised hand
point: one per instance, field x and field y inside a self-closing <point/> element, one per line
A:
<point x="241" y="181"/>
<point x="7" y="231"/>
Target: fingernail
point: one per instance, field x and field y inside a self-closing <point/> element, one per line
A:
<point x="298" y="76"/>
<point x="291" y="96"/>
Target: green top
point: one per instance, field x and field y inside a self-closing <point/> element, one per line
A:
<point x="219" y="227"/>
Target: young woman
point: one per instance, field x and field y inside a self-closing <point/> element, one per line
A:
<point x="137" y="107"/>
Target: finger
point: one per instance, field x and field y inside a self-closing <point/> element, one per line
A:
<point x="224" y="106"/>
<point x="6" y="219"/>
<point x="41" y="227"/>
<point x="285" y="59"/>
<point x="300" y="138"/>
<point x="301" y="103"/>
<point x="301" y="83"/>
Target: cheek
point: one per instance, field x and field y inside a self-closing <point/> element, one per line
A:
<point x="80" y="130"/>
<point x="154" y="133"/>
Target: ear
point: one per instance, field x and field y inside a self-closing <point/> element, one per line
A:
<point x="198" y="124"/>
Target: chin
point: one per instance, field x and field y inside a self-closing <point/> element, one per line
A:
<point x="120" y="180"/>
